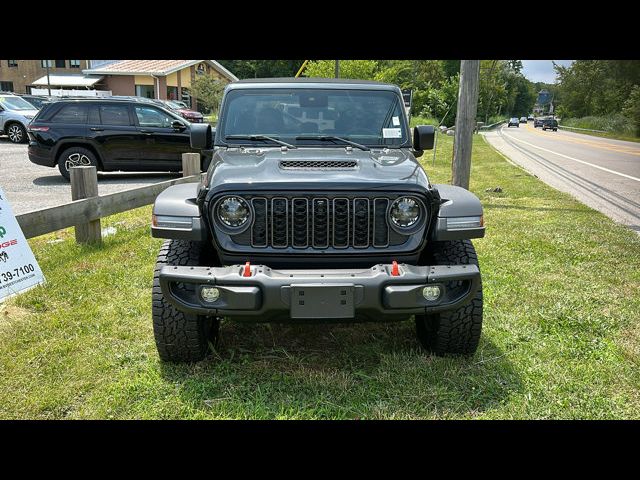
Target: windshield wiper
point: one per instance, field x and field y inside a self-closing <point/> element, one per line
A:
<point x="259" y="137"/>
<point x="330" y="138"/>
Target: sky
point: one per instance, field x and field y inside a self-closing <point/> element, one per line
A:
<point x="542" y="70"/>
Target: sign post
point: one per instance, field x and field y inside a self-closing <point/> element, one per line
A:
<point x="19" y="270"/>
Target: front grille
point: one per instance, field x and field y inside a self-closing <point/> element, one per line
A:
<point x="318" y="164"/>
<point x="320" y="222"/>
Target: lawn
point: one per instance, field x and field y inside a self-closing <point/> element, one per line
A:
<point x="561" y="335"/>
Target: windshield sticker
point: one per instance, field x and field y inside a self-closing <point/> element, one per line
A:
<point x="396" y="121"/>
<point x="392" y="132"/>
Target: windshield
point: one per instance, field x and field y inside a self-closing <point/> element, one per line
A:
<point x="15" y="103"/>
<point x="368" y="117"/>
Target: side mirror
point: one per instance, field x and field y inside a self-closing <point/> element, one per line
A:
<point x="423" y="137"/>
<point x="201" y="136"/>
<point x="178" y="125"/>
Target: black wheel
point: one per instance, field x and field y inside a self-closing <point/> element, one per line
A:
<point x="75" y="157"/>
<point x="456" y="332"/>
<point x="17" y="133"/>
<point x="179" y="336"/>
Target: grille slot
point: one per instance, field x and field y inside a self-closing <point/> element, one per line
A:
<point x="300" y="222"/>
<point x="259" y="228"/>
<point x="279" y="223"/>
<point x="361" y="222"/>
<point x="318" y="164"/>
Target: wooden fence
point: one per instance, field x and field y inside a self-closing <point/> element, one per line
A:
<point x="87" y="208"/>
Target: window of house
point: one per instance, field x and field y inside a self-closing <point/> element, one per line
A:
<point x="74" y="63"/>
<point x="6" y="86"/>
<point x="114" y="115"/>
<point x="12" y="63"/>
<point x="46" y="63"/>
<point x="60" y="64"/>
<point x="72" y="113"/>
<point x="145" y="91"/>
<point x="152" y="117"/>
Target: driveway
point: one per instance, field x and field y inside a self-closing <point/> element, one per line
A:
<point x="33" y="187"/>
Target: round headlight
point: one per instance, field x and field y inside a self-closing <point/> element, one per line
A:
<point x="233" y="212"/>
<point x="405" y="212"/>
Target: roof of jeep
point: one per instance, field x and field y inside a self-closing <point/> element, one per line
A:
<point x="308" y="82"/>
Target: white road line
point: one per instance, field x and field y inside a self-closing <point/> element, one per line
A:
<point x="574" y="159"/>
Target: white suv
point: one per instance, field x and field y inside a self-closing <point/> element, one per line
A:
<point x="15" y="115"/>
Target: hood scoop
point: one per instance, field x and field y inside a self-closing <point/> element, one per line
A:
<point x="318" y="164"/>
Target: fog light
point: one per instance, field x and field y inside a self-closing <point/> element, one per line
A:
<point x="210" y="294"/>
<point x="431" y="293"/>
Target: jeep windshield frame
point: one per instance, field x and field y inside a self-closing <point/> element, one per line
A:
<point x="305" y="116"/>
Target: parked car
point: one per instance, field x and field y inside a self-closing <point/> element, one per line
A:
<point x="38" y="100"/>
<point x="513" y="122"/>
<point x="550" y="124"/>
<point x="537" y="122"/>
<point x="530" y="118"/>
<point x="111" y="134"/>
<point x="523" y="119"/>
<point x="302" y="222"/>
<point x="180" y="107"/>
<point x="15" y="115"/>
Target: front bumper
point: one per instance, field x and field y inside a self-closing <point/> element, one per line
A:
<point x="372" y="294"/>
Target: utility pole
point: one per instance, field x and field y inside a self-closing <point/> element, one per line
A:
<point x="465" y="122"/>
<point x="46" y="62"/>
<point x="337" y="68"/>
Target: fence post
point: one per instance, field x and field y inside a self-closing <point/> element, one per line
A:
<point x="84" y="184"/>
<point x="190" y="164"/>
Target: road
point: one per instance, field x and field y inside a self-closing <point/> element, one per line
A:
<point x="32" y="187"/>
<point x="600" y="172"/>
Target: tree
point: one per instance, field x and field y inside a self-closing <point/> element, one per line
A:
<point x="631" y="108"/>
<point x="262" y="68"/>
<point x="358" y="69"/>
<point x="208" y="91"/>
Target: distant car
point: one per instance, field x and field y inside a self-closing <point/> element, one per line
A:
<point x="530" y="117"/>
<point x="523" y="119"/>
<point x="537" y="122"/>
<point x="15" y="115"/>
<point x="550" y="124"/>
<point x="37" y="100"/>
<point x="182" y="109"/>
<point x="110" y="134"/>
<point x="513" y="121"/>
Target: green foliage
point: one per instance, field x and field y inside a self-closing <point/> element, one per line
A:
<point x="614" y="123"/>
<point x="262" y="68"/>
<point x="208" y="91"/>
<point x="631" y="109"/>
<point x="596" y="87"/>
<point x="357" y="69"/>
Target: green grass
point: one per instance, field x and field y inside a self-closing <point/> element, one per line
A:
<point x="561" y="337"/>
<point x="612" y="126"/>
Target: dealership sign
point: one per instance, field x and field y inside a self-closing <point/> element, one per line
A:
<point x="19" y="270"/>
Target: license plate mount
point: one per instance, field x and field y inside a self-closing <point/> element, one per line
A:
<point x="321" y="301"/>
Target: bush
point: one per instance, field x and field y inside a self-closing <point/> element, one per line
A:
<point x="616" y="123"/>
<point x="632" y="109"/>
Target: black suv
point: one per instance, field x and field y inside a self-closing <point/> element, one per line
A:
<point x="550" y="124"/>
<point x="126" y="135"/>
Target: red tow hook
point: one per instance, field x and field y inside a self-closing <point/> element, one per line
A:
<point x="247" y="270"/>
<point x="395" y="271"/>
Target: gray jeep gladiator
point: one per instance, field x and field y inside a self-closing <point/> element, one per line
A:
<point x="314" y="208"/>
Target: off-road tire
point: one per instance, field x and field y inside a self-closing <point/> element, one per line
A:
<point x="179" y="336"/>
<point x="84" y="156"/>
<point x="454" y="332"/>
<point x="16" y="133"/>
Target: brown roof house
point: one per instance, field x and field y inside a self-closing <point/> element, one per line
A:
<point x="163" y="79"/>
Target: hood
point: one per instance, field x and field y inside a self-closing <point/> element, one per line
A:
<point x="262" y="168"/>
